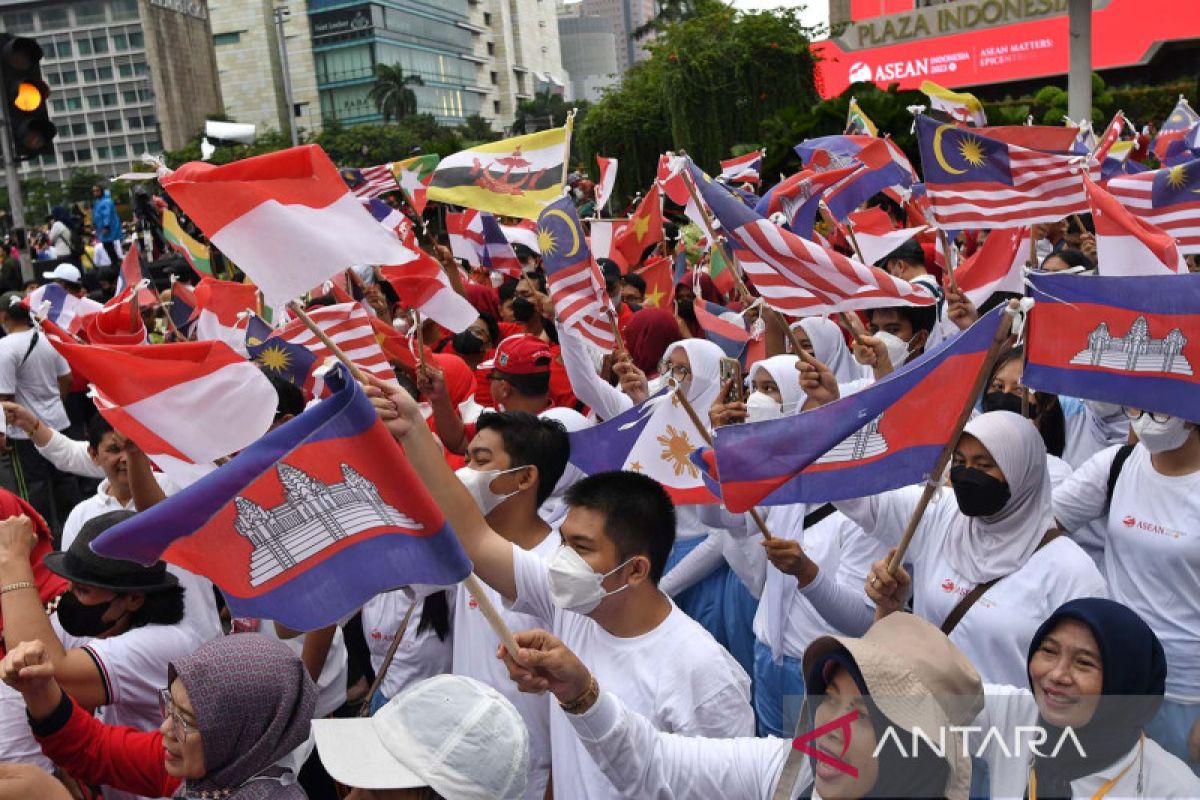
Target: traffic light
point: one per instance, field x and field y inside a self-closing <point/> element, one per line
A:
<point x="25" y="96"/>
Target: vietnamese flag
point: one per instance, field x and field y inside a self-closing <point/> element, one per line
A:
<point x="645" y="228"/>
<point x="660" y="283"/>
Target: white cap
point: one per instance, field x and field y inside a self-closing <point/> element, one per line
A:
<point x="454" y="734"/>
<point x="64" y="272"/>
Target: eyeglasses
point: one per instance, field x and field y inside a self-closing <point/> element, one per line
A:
<point x="679" y="372"/>
<point x="166" y="706"/>
<point x="1137" y="413"/>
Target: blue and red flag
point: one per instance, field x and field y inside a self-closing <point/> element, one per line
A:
<point x="743" y="168"/>
<point x="884" y="166"/>
<point x="575" y="283"/>
<point x="1126" y="340"/>
<point x="1170" y="136"/>
<point x="718" y="329"/>
<point x="655" y="438"/>
<point x="279" y="357"/>
<point x="183" y="308"/>
<point x="307" y="523"/>
<point x="886" y="436"/>
<point x="497" y="253"/>
<point x="1168" y="198"/>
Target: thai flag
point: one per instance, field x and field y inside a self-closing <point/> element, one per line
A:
<point x="1127" y="244"/>
<point x="886" y="436"/>
<point x="1130" y="341"/>
<point x="576" y="286"/>
<point x="391" y="219"/>
<point x="655" y="438"/>
<point x="64" y="309"/>
<point x="465" y="231"/>
<point x="998" y="266"/>
<point x="743" y="169"/>
<point x="977" y="182"/>
<point x="497" y="252"/>
<point x="286" y="219"/>
<point x="221" y="308"/>
<point x="719" y="327"/>
<point x="797" y="276"/>
<point x="185" y="404"/>
<point x="422" y="285"/>
<point x="369" y="182"/>
<point x="1168" y="198"/>
<point x="608" y="179"/>
<point x="306" y="524"/>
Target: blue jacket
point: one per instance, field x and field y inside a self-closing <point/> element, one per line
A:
<point x="105" y="218"/>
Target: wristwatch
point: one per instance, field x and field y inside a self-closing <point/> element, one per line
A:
<point x="585" y="701"/>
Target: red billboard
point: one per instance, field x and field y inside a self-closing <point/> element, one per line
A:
<point x="910" y="48"/>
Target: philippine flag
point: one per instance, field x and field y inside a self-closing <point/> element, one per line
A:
<point x="306" y="524"/>
<point x="286" y="219"/>
<point x="185" y="404"/>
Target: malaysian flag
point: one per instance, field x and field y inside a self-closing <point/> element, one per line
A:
<point x="576" y="286"/>
<point x="349" y="327"/>
<point x="1168" y="198"/>
<point x="1169" y="140"/>
<point x="799" y="277"/>
<point x="977" y="182"/>
<point x="368" y="182"/>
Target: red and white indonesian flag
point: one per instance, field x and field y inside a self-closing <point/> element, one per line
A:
<point x="465" y="232"/>
<point x="286" y="219"/>
<point x="1127" y="244"/>
<point x="602" y="233"/>
<point x="422" y="285"/>
<point x="184" y="404"/>
<point x="998" y="266"/>
<point x="220" y="311"/>
<point x="523" y="232"/>
<point x="608" y="179"/>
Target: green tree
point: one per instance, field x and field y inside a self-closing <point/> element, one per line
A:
<point x="392" y="93"/>
<point x="477" y="130"/>
<point x="546" y="110"/>
<point x="77" y="188"/>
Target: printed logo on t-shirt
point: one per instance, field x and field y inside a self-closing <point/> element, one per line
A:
<point x="472" y="604"/>
<point x="1131" y="521"/>
<point x="950" y="587"/>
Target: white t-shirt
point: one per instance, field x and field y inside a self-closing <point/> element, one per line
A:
<point x="1151" y="551"/>
<point x="676" y="675"/>
<point x="133" y="666"/>
<point x="839" y="548"/>
<point x="1154" y="771"/>
<point x="996" y="631"/>
<point x="33" y="384"/>
<point x="200" y="613"/>
<point x="17" y="745"/>
<point x="475" y="646"/>
<point x="418" y="656"/>
<point x="1088" y="434"/>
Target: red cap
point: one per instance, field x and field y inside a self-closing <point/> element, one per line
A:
<point x="521" y="354"/>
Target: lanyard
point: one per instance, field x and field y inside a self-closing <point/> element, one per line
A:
<point x="1107" y="787"/>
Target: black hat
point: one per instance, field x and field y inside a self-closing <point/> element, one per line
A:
<point x="79" y="564"/>
<point x="609" y="269"/>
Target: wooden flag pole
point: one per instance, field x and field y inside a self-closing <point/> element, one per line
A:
<point x="1031" y="261"/>
<point x="338" y="353"/>
<point x="939" y="467"/>
<point x="365" y="711"/>
<point x="704" y="434"/>
<point x="420" y="339"/>
<point x="949" y="256"/>
<point x="566" y="168"/>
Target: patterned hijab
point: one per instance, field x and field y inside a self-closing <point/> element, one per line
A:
<point x="254" y="703"/>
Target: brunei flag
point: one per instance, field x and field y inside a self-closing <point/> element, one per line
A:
<point x="515" y="177"/>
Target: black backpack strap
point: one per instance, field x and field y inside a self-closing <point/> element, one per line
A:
<point x="1114" y="472"/>
<point x="818" y="514"/>
<point x="33" y="340"/>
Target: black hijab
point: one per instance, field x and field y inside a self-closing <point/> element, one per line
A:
<point x="1133" y="683"/>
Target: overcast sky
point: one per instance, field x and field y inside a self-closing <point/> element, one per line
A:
<point x="815" y="12"/>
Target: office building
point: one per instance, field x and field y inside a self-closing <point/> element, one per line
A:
<point x="589" y="52"/>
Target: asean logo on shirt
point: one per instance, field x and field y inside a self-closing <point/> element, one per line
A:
<point x="1129" y="521"/>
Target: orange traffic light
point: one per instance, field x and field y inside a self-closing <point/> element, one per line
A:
<point x="29" y="97"/>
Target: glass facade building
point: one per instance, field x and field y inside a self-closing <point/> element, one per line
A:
<point x="431" y="40"/>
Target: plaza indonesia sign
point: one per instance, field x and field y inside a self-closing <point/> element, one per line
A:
<point x="973" y="42"/>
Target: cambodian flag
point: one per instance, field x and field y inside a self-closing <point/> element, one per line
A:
<point x="886" y="436"/>
<point x="1127" y="340"/>
<point x="655" y="438"/>
<point x="306" y="524"/>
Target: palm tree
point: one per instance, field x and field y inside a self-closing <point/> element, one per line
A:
<point x="391" y="93"/>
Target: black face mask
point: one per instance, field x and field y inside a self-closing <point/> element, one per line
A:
<point x="1004" y="401"/>
<point x="523" y="309"/>
<point x="978" y="494"/>
<point x="79" y="619"/>
<point x="467" y="343"/>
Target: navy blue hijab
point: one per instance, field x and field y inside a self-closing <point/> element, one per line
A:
<point x="1134" y="680"/>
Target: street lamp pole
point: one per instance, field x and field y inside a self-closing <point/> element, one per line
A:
<point x="1079" y="75"/>
<point x="281" y="14"/>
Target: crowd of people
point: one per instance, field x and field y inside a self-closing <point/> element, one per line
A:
<point x="1052" y="586"/>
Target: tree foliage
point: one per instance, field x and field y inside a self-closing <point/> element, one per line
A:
<point x="392" y="93"/>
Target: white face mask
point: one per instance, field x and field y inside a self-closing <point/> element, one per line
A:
<point x="761" y="406"/>
<point x="897" y="348"/>
<point x="479" y="484"/>
<point x="575" y="586"/>
<point x="1159" y="437"/>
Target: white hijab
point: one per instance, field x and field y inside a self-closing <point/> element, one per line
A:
<point x="554" y="508"/>
<point x="782" y="370"/>
<point x="829" y="346"/>
<point x="995" y="546"/>
<point x="704" y="359"/>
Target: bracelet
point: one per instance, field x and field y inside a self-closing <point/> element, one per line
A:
<point x="12" y="587"/>
<point x="34" y="429"/>
<point x="585" y="701"/>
